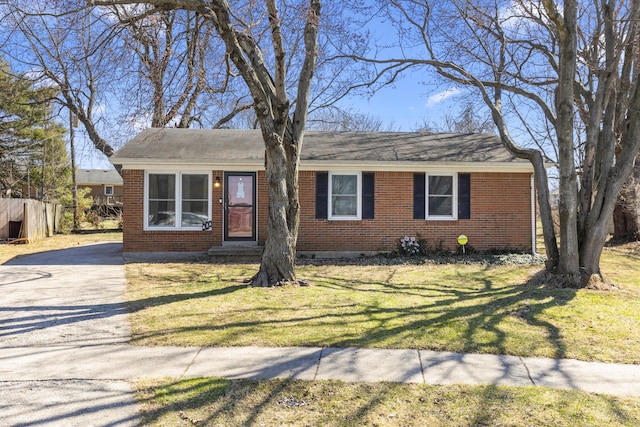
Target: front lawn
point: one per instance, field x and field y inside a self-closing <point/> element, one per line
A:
<point x="218" y="402"/>
<point x="483" y="308"/>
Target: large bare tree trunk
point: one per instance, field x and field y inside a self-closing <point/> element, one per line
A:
<point x="566" y="28"/>
<point x="279" y="255"/>
<point x="626" y="216"/>
<point x="282" y="132"/>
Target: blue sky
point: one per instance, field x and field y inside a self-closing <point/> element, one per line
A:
<point x="408" y="104"/>
<point x="403" y="106"/>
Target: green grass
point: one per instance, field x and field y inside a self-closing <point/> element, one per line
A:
<point x="218" y="402"/>
<point x="462" y="308"/>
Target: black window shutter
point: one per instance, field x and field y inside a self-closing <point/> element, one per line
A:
<point x="419" y="196"/>
<point x="322" y="194"/>
<point x="368" y="195"/>
<point x="464" y="196"/>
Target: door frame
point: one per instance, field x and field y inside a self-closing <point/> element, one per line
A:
<point x="225" y="204"/>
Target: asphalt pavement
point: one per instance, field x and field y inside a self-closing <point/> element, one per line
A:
<point x="65" y="358"/>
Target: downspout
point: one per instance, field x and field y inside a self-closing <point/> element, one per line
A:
<point x="533" y="216"/>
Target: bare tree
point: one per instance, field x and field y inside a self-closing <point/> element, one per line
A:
<point x="626" y="215"/>
<point x="335" y="119"/>
<point x="282" y="122"/>
<point x="64" y="46"/>
<point x="569" y="68"/>
<point x="467" y="120"/>
<point x="109" y="59"/>
<point x="180" y="70"/>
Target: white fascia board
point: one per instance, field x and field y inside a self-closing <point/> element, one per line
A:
<point x="417" y="166"/>
<point x="174" y="165"/>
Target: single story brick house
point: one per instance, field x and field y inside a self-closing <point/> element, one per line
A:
<point x="359" y="191"/>
<point x="103" y="183"/>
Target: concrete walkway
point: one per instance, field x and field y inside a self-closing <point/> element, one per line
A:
<point x="64" y="357"/>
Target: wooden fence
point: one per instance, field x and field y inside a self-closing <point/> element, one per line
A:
<point x="28" y="219"/>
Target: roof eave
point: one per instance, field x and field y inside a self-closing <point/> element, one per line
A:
<point x="314" y="165"/>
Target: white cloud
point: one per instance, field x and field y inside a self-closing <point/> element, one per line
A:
<point x="440" y="97"/>
<point x="516" y="16"/>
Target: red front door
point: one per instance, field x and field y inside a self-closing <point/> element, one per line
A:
<point x="240" y="206"/>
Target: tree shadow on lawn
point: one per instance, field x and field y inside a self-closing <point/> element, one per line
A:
<point x="24" y="319"/>
<point x="141" y="304"/>
<point x="216" y="401"/>
<point x="482" y="306"/>
<point x="463" y="317"/>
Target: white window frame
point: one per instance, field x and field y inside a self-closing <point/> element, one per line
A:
<point x="106" y="190"/>
<point x="454" y="201"/>
<point x="358" y="215"/>
<point x="178" y="192"/>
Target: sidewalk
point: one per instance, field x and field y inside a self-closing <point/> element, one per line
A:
<point x="65" y="358"/>
<point x="121" y="362"/>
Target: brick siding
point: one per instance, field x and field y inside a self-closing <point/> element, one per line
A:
<point x="97" y="191"/>
<point x="500" y="217"/>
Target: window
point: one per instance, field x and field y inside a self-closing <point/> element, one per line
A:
<point x="341" y="206"/>
<point x="108" y="190"/>
<point x="441" y="197"/>
<point x="172" y="206"/>
<point x="344" y="196"/>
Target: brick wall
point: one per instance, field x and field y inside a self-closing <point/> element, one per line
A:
<point x="97" y="191"/>
<point x="136" y="239"/>
<point x="500" y="217"/>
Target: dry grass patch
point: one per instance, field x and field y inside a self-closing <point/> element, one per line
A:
<point x="59" y="241"/>
<point x="218" y="402"/>
<point x="454" y="307"/>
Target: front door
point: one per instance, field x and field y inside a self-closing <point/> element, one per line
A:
<point x="240" y="206"/>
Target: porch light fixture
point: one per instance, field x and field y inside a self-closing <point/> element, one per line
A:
<point x="217" y="183"/>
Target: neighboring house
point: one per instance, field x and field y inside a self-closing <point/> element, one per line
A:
<point x="106" y="188"/>
<point x="359" y="191"/>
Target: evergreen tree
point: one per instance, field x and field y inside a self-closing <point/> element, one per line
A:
<point x="32" y="146"/>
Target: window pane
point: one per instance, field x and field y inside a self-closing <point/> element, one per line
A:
<point x="344" y="184"/>
<point x="440" y="185"/>
<point x="162" y="203"/>
<point x="162" y="213"/>
<point x="344" y="205"/>
<point x="344" y="195"/>
<point x="162" y="186"/>
<point x="195" y="200"/>
<point x="194" y="213"/>
<point x="240" y="190"/>
<point x="440" y="206"/>
<point x="195" y="187"/>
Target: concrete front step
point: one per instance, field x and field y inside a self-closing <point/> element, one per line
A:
<point x="233" y="253"/>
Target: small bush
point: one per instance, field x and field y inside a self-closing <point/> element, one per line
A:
<point x="84" y="204"/>
<point x="94" y="219"/>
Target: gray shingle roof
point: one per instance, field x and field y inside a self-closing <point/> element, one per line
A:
<point x="226" y="146"/>
<point x="98" y="177"/>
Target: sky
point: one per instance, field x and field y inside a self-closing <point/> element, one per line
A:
<point x="404" y="106"/>
<point x="408" y="104"/>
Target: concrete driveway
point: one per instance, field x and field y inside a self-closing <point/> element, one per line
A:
<point x="54" y="300"/>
